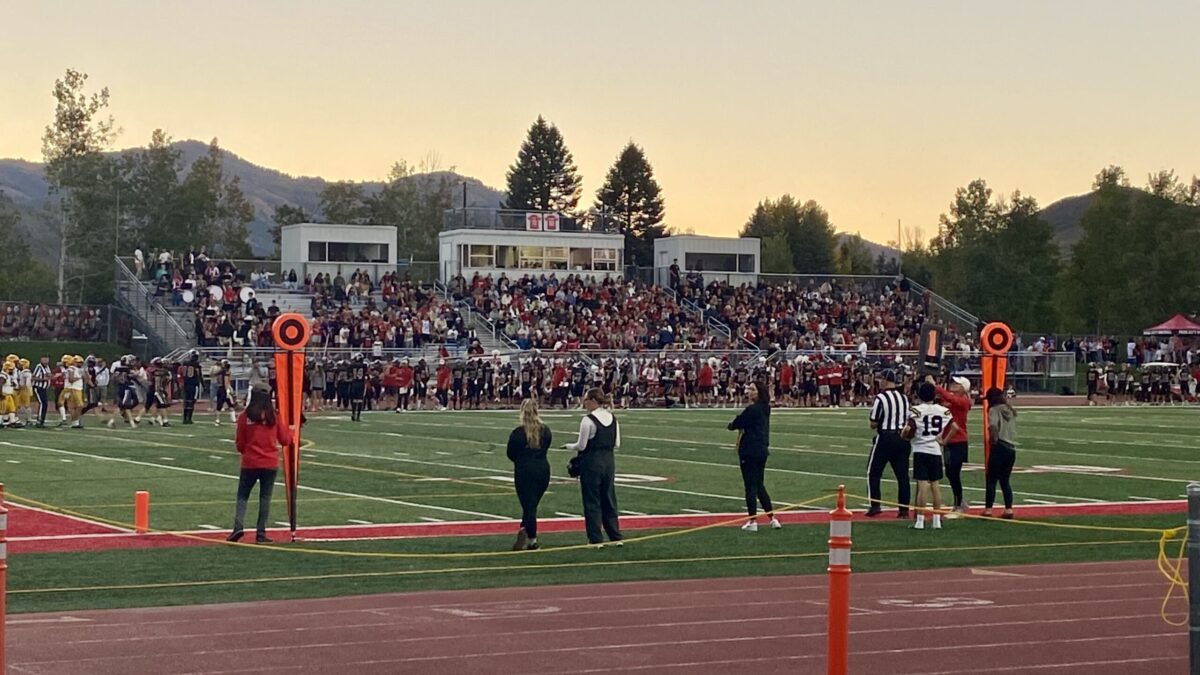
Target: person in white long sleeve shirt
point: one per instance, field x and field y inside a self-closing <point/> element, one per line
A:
<point x="599" y="436"/>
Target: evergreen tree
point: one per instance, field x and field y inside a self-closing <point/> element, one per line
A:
<point x="810" y="236"/>
<point x="544" y="177"/>
<point x="343" y="202"/>
<point x="287" y="214"/>
<point x="853" y="257"/>
<point x="631" y="198"/>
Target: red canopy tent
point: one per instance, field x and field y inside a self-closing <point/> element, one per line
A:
<point x="1176" y="324"/>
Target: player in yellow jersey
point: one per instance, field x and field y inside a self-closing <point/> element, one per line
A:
<point x="24" y="390"/>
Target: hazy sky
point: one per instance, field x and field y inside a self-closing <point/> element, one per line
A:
<point x="877" y="110"/>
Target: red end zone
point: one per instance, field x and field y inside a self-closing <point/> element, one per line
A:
<point x="30" y="522"/>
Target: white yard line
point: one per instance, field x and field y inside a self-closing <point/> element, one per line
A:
<point x="309" y="488"/>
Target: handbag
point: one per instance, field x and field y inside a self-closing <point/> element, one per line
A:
<point x="573" y="468"/>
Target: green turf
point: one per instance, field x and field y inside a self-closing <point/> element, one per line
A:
<point x="424" y="466"/>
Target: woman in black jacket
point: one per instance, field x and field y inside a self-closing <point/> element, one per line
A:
<point x="754" y="435"/>
<point x="527" y="445"/>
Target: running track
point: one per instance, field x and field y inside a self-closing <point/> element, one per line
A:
<point x="1096" y="618"/>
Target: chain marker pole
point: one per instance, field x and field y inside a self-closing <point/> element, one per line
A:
<point x="838" y="622"/>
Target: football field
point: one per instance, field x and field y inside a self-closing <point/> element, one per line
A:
<point x="443" y="475"/>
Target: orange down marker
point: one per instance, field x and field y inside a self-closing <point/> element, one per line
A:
<point x="997" y="339"/>
<point x="292" y="334"/>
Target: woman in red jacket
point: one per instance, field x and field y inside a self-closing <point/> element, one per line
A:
<point x="258" y="436"/>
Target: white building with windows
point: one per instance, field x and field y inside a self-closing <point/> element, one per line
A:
<point x="466" y="251"/>
<point x="732" y="259"/>
<point x="319" y="248"/>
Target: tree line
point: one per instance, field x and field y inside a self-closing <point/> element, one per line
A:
<point x="1134" y="265"/>
<point x="993" y="255"/>
<point x="543" y="177"/>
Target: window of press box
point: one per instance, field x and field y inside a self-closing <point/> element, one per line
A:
<point x="355" y="253"/>
<point x="316" y="251"/>
<point x="604" y="259"/>
<point x="480" y="255"/>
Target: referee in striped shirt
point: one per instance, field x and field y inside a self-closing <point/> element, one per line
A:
<point x="41" y="389"/>
<point x="889" y="414"/>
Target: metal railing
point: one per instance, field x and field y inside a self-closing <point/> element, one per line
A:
<point x="159" y="326"/>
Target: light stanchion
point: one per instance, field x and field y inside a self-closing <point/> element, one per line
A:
<point x="838" y="622"/>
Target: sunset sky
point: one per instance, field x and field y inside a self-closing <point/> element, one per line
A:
<point x="876" y="110"/>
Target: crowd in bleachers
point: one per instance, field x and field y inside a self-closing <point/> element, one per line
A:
<point x="549" y="313"/>
<point x="34" y="321"/>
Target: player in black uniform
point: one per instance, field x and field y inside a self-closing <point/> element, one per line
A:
<point x="420" y="383"/>
<point x="160" y="390"/>
<point x="356" y="385"/>
<point x="458" y="388"/>
<point x="126" y="392"/>
<point x="225" y="398"/>
<point x="474" y="388"/>
<point x="193" y="382"/>
<point x="329" y="393"/>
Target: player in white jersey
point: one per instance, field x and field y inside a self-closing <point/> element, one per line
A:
<point x="929" y="425"/>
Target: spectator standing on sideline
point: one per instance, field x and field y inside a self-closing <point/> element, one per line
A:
<point x="1002" y="430"/>
<point x="889" y="413"/>
<point x="599" y="436"/>
<point x="958" y="400"/>
<point x="527" y="446"/>
<point x="754" y="436"/>
<point x="258" y="436"/>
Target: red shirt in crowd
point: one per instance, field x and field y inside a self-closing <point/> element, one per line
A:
<point x="404" y="377"/>
<point x="785" y="376"/>
<point x="705" y="376"/>
<point x="958" y="405"/>
<point x="257" y="443"/>
<point x="443" y="377"/>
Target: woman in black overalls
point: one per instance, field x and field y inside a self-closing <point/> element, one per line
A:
<point x="527" y="445"/>
<point x="599" y="436"/>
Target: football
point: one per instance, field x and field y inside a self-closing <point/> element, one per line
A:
<point x="909" y="430"/>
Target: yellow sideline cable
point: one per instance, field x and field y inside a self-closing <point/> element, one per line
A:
<point x="376" y="554"/>
<point x="541" y="566"/>
<point x="1170" y="570"/>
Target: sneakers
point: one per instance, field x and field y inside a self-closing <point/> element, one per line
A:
<point x="937" y="522"/>
<point x="522" y="540"/>
<point x="873" y="511"/>
<point x="919" y="525"/>
<point x="902" y="513"/>
<point x="532" y="545"/>
<point x="750" y="526"/>
<point x="236" y="535"/>
<point x="263" y="539"/>
<point x="775" y="524"/>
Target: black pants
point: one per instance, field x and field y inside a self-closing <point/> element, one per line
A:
<point x="753" y="469"/>
<point x="43" y="402"/>
<point x="889" y="449"/>
<point x="999" y="470"/>
<point x="531" y="480"/>
<point x="266" y="485"/>
<point x="956" y="456"/>
<point x="597" y="485"/>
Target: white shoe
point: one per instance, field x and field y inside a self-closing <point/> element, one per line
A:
<point x="937" y="523"/>
<point x="919" y="525"/>
<point x="750" y="526"/>
<point x="775" y="524"/>
<point x="110" y="423"/>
